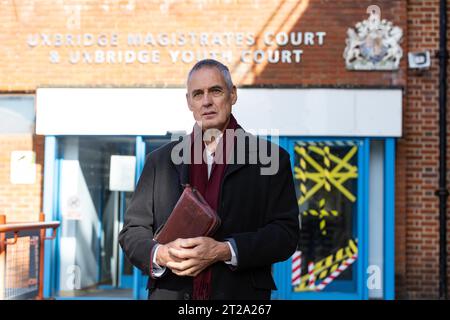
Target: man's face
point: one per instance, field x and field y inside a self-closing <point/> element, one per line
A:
<point x="209" y="99"/>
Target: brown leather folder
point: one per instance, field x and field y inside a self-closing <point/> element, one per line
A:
<point x="191" y="217"/>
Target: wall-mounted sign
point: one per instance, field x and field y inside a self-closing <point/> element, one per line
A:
<point x="23" y="167"/>
<point x="73" y="208"/>
<point x="185" y="47"/>
<point x="122" y="173"/>
<point x="373" y="44"/>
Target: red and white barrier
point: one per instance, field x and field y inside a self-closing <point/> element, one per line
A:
<point x="296" y="268"/>
<point x="312" y="277"/>
<point x="344" y="265"/>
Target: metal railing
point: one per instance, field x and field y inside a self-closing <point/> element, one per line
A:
<point x="22" y="258"/>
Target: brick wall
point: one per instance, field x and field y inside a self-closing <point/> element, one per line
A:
<point x="417" y="211"/>
<point x="27" y="66"/>
<point x="20" y="202"/>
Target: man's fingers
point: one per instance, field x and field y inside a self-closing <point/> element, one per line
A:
<point x="174" y="258"/>
<point x="191" y="272"/>
<point x="176" y="243"/>
<point x="182" y="254"/>
<point x="181" y="266"/>
<point x="192" y="242"/>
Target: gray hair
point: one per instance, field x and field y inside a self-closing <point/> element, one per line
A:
<point x="211" y="63"/>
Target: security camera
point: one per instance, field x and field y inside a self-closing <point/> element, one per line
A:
<point x="419" y="60"/>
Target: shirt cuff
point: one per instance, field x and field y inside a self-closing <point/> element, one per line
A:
<point x="232" y="244"/>
<point x="157" y="270"/>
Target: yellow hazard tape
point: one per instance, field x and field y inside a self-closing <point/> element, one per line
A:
<point x="324" y="176"/>
<point x="328" y="265"/>
<point x="321" y="214"/>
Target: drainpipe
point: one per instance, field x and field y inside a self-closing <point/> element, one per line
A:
<point x="442" y="192"/>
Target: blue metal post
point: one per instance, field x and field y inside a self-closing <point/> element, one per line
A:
<point x="365" y="235"/>
<point x="140" y="160"/>
<point x="49" y="205"/>
<point x="389" y="219"/>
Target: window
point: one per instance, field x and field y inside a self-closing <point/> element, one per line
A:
<point x="17" y="114"/>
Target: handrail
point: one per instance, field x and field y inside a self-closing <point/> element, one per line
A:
<point x="16" y="228"/>
<point x="20" y="226"/>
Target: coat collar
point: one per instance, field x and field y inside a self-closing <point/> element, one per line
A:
<point x="185" y="143"/>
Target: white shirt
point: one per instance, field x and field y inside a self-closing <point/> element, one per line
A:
<point x="158" y="271"/>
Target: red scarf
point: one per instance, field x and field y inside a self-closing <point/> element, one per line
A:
<point x="210" y="189"/>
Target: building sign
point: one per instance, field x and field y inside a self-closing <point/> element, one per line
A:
<point x="23" y="167"/>
<point x="178" y="47"/>
<point x="122" y="173"/>
<point x="72" y="208"/>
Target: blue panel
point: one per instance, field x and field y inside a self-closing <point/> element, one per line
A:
<point x="364" y="236"/>
<point x="100" y="235"/>
<point x="126" y="281"/>
<point x="50" y="188"/>
<point x="57" y="215"/>
<point x="279" y="269"/>
<point x="325" y="296"/>
<point x="363" y="218"/>
<point x="139" y="281"/>
<point x="389" y="219"/>
<point x="92" y="298"/>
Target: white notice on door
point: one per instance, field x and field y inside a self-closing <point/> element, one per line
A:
<point x="122" y="173"/>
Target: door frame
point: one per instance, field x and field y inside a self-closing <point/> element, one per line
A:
<point x="282" y="270"/>
<point x="52" y="169"/>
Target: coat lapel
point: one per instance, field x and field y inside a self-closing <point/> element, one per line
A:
<point x="250" y="149"/>
<point x="183" y="167"/>
<point x="183" y="173"/>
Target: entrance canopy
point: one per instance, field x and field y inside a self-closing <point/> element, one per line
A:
<point x="156" y="111"/>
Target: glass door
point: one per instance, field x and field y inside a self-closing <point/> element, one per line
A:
<point x="91" y="208"/>
<point x="330" y="182"/>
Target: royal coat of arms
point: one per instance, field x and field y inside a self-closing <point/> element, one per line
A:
<point x="373" y="44"/>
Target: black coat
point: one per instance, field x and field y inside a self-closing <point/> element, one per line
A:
<point x="259" y="211"/>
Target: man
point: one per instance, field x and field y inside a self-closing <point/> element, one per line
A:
<point x="258" y="210"/>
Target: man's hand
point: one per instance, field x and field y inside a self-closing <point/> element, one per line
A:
<point x="194" y="255"/>
<point x="163" y="255"/>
